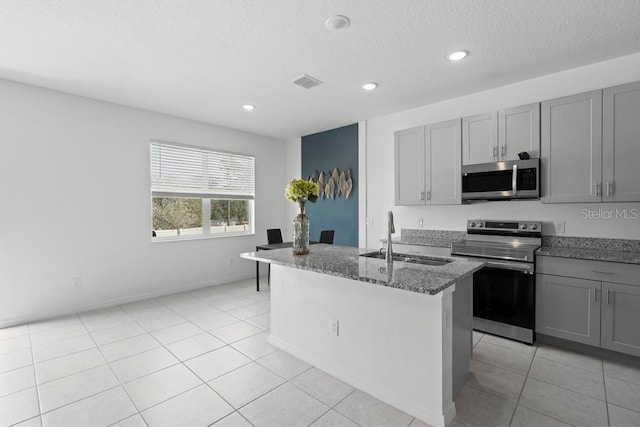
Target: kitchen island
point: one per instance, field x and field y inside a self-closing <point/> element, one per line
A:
<point x="401" y="333"/>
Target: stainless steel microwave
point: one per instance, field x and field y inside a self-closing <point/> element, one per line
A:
<point x="516" y="179"/>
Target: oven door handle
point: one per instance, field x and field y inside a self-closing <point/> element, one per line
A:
<point x="517" y="266"/>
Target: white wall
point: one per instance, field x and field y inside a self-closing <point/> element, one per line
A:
<point x="293" y="170"/>
<point x="75" y="202"/>
<point x="380" y="164"/>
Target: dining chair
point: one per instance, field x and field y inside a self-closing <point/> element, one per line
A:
<point x="274" y="235"/>
<point x="326" y="236"/>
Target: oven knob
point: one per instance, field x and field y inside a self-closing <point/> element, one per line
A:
<point x="533" y="226"/>
<point x="481" y="224"/>
<point x="523" y="226"/>
<point x="473" y="224"/>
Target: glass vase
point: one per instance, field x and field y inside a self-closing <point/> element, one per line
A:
<point x="301" y="225"/>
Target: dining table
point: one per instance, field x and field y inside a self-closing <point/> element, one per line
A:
<point x="270" y="247"/>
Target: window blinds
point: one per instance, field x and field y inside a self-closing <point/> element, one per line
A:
<point x="184" y="171"/>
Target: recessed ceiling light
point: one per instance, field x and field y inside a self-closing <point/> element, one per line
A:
<point x="457" y="55"/>
<point x="248" y="107"/>
<point x="337" y="22"/>
<point x="370" y="86"/>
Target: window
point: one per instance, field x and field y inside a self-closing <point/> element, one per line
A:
<point x="200" y="192"/>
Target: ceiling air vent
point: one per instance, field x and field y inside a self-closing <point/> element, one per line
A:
<point x="307" y="82"/>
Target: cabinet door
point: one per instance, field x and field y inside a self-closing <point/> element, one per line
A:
<point x="621" y="143"/>
<point x="443" y="176"/>
<point x="519" y="131"/>
<point x="568" y="308"/>
<point x="621" y="318"/>
<point x="410" y="167"/>
<point x="480" y="139"/>
<point x="571" y="148"/>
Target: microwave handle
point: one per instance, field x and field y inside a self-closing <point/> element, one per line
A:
<point x="514" y="180"/>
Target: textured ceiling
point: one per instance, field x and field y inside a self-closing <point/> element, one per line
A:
<point x="204" y="59"/>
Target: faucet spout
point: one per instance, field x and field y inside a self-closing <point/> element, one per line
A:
<point x="390" y="230"/>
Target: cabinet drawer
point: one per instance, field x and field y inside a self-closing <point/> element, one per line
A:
<point x="592" y="270"/>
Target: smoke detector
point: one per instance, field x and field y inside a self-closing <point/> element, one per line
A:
<point x="337" y="22"/>
<point x="307" y="82"/>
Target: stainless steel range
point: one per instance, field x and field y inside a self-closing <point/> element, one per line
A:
<point x="504" y="289"/>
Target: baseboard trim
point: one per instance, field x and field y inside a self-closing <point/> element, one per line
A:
<point x="589" y="349"/>
<point x="364" y="385"/>
<point x="15" y="321"/>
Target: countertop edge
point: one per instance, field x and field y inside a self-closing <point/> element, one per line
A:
<point x="590" y="254"/>
<point x="476" y="265"/>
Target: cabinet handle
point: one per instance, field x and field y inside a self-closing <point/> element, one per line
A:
<point x="607" y="297"/>
<point x="595" y="295"/>
<point x="422" y="196"/>
<point x="598" y="189"/>
<point x="428" y="195"/>
<point x="609" y="188"/>
<point x="603" y="272"/>
<point x="503" y="150"/>
<point x="495" y="151"/>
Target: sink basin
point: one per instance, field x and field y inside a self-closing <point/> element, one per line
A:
<point x="413" y="259"/>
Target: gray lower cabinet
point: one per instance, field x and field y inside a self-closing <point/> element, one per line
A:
<point x="621" y="318"/>
<point x="579" y="301"/>
<point x="568" y="308"/>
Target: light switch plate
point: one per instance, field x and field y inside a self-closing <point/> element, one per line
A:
<point x="559" y="227"/>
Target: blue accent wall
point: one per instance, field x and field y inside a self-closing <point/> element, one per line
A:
<point x="324" y="151"/>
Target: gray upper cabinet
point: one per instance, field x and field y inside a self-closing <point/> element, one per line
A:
<point x="410" y="183"/>
<point x="568" y="307"/>
<point x="621" y="143"/>
<point x="519" y="130"/>
<point x="621" y="318"/>
<point x="500" y="136"/>
<point x="443" y="172"/>
<point x="571" y="148"/>
<point x="480" y="139"/>
<point x="427" y="165"/>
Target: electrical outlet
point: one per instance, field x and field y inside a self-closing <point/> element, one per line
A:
<point x="420" y="222"/>
<point x="559" y="225"/>
<point x="335" y="327"/>
<point x="77" y="282"/>
<point x="368" y="221"/>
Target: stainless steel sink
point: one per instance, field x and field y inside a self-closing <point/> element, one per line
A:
<point x="413" y="259"/>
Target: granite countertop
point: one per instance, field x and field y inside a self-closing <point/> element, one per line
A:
<point x="346" y="262"/>
<point x="594" y="249"/>
<point x="434" y="238"/>
<point x="421" y="241"/>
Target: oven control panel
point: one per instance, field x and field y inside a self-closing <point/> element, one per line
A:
<point x="514" y="227"/>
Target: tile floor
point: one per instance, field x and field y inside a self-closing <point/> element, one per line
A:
<point x="201" y="358"/>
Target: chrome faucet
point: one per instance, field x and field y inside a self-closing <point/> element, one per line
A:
<point x="390" y="230"/>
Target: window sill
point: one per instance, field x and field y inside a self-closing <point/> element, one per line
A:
<point x="206" y="237"/>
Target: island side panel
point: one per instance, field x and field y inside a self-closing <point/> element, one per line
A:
<point x="462" y="332"/>
<point x="391" y="343"/>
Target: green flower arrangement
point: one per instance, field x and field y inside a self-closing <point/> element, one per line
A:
<point x="300" y="190"/>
